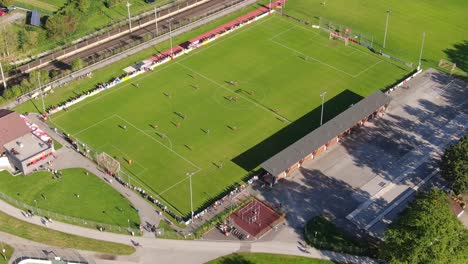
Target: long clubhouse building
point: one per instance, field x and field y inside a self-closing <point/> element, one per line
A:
<point x="317" y="141"/>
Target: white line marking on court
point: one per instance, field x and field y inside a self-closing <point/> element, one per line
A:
<point x="179" y="182"/>
<point x="162" y="144"/>
<point x="308" y="56"/>
<point x="231" y="91"/>
<point x="128" y="156"/>
<point x="366" y="69"/>
<point x="217" y="42"/>
<point x="93" y="125"/>
<point x="283" y="32"/>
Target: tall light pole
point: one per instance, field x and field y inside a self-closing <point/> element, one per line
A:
<point x="386" y="27"/>
<point x="42" y="92"/>
<point x="323" y="99"/>
<point x="270" y="7"/>
<point x="156" y="20"/>
<point x="422" y="47"/>
<point x="129" y="17"/>
<point x="190" y="174"/>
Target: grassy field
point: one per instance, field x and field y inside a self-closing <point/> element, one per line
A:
<point x="51" y="237"/>
<point x="263" y="258"/>
<point x="97" y="201"/>
<point x="111" y="71"/>
<point x="322" y="234"/>
<point x="443" y="21"/>
<point x="8" y="252"/>
<point x="184" y="117"/>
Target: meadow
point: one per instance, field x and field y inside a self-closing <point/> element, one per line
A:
<point x="444" y="23"/>
<point x="74" y="194"/>
<point x="214" y="115"/>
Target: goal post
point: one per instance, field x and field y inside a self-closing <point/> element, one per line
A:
<point x="448" y="65"/>
<point x="107" y="162"/>
<point x="334" y="35"/>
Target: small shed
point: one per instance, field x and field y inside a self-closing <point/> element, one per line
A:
<point x="35" y="19"/>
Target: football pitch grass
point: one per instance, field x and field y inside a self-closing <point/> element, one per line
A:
<point x="186" y="119"/>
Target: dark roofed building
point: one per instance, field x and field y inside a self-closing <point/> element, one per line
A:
<point x="11" y="127"/>
<point x="35" y="19"/>
<point x="323" y="137"/>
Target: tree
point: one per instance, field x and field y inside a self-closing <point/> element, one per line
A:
<point x="35" y="76"/>
<point x="83" y="5"/>
<point x="426" y="232"/>
<point x="62" y="25"/>
<point x="454" y="165"/>
<point x="6" y="2"/>
<point x="112" y="3"/>
<point x="77" y="64"/>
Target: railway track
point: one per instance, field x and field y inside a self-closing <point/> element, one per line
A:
<point x="90" y="53"/>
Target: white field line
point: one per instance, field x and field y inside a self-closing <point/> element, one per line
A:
<point x="177" y="183"/>
<point x="93" y="125"/>
<point x="128" y="156"/>
<point x="366" y="69"/>
<point x="223" y="39"/>
<point x="163" y="67"/>
<point x="308" y="56"/>
<point x="231" y="91"/>
<point x="162" y="144"/>
<point x="283" y="32"/>
<point x="112" y="90"/>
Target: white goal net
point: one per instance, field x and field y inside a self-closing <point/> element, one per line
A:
<point x="107" y="162"/>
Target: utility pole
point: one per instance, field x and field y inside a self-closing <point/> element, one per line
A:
<point x="170" y="36"/>
<point x="271" y="8"/>
<point x="386" y="27"/>
<point x="3" y="76"/>
<point x="156" y="21"/>
<point x="129" y="17"/>
<point x="422" y="47"/>
<point x="42" y="92"/>
<point x="323" y="99"/>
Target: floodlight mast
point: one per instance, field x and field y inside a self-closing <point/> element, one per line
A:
<point x="323" y="98"/>
<point x="386" y="28"/>
<point x="422" y="47"/>
<point x="129" y="17"/>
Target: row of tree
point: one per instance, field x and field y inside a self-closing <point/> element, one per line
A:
<point x="427" y="231"/>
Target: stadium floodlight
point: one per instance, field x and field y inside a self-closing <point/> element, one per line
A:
<point x="386" y="27"/>
<point x="190" y="174"/>
<point x="323" y="98"/>
<point x="35" y="201"/>
<point x="42" y="92"/>
<point x="422" y="47"/>
<point x="129" y="17"/>
<point x="3" y="76"/>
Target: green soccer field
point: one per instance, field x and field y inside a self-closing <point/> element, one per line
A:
<point x="185" y="118"/>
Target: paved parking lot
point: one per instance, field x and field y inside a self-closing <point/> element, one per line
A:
<point x="381" y="163"/>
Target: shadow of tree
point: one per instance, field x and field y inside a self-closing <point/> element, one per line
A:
<point x="234" y="259"/>
<point x="459" y="55"/>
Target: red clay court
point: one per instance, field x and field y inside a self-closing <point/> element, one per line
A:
<point x="256" y="218"/>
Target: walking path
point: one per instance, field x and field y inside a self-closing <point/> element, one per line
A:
<point x="67" y="157"/>
<point x="180" y="251"/>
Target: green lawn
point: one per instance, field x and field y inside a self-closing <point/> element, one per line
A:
<point x="51" y="237"/>
<point x="263" y="258"/>
<point x="443" y="21"/>
<point x="281" y="68"/>
<point x="5" y="257"/>
<point x="111" y="71"/>
<point x="320" y="233"/>
<point x="97" y="201"/>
